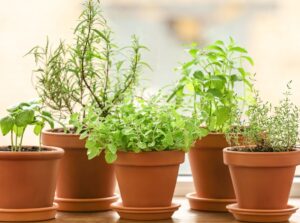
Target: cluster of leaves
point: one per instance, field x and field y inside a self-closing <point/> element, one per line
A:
<point x="271" y="128"/>
<point x="209" y="82"/>
<point x="140" y="127"/>
<point x="20" y="117"/>
<point x="91" y="71"/>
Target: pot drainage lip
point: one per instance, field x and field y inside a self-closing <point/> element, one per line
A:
<point x="194" y="196"/>
<point x="85" y="200"/>
<point x="85" y="204"/>
<point x="261" y="215"/>
<point x="144" y="213"/>
<point x="208" y="204"/>
<point x="121" y="207"/>
<point x="28" y="214"/>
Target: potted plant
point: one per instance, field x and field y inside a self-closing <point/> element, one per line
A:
<point x="210" y="83"/>
<point x="91" y="71"/>
<point x="146" y="141"/>
<point x="28" y="173"/>
<point x="263" y="166"/>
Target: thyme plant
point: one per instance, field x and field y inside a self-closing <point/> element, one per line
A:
<point x="209" y="82"/>
<point x="92" y="70"/>
<point x="271" y="128"/>
<point x="22" y="116"/>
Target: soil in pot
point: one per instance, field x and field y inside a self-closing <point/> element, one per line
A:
<point x="262" y="180"/>
<point x="83" y="185"/>
<point x="28" y="180"/>
<point x="211" y="177"/>
<point x="147" y="180"/>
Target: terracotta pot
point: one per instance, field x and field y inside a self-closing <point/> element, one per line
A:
<point x="262" y="180"/>
<point x="28" y="179"/>
<point x="148" y="179"/>
<point x="80" y="178"/>
<point x="211" y="176"/>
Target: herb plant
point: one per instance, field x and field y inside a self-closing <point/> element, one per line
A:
<point x="92" y="70"/>
<point x="22" y="116"/>
<point x="139" y="127"/>
<point x="209" y="81"/>
<point x="271" y="128"/>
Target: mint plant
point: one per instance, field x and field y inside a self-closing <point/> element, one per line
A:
<point x="139" y="127"/>
<point x="92" y="70"/>
<point x="271" y="128"/>
<point x="19" y="118"/>
<point x="209" y="82"/>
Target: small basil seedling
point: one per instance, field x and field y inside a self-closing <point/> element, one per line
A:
<point x="22" y="116"/>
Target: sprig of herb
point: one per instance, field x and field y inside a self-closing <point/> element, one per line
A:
<point x="22" y="116"/>
<point x="209" y="81"/>
<point x="271" y="128"/>
<point x="91" y="71"/>
<point x="140" y="127"/>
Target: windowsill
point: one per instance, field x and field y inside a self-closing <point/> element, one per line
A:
<point x="185" y="185"/>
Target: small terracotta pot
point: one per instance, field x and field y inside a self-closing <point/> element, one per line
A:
<point x="28" y="179"/>
<point x="80" y="178"/>
<point x="262" y="180"/>
<point x="147" y="179"/>
<point x="211" y="177"/>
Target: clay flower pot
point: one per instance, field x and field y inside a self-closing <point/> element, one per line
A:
<point x="28" y="181"/>
<point x="213" y="185"/>
<point x="262" y="180"/>
<point x="83" y="185"/>
<point x="147" y="182"/>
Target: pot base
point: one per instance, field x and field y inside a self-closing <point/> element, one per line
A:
<point x="259" y="215"/>
<point x="144" y="214"/>
<point x="85" y="205"/>
<point x="28" y="214"/>
<point x="208" y="204"/>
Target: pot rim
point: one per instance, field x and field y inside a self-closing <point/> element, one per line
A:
<point x="54" y="153"/>
<point x="151" y="158"/>
<point x="228" y="150"/>
<point x="50" y="132"/>
<point x="261" y="159"/>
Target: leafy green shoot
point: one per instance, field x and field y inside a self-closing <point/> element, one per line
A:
<point x="20" y="117"/>
<point x="209" y="81"/>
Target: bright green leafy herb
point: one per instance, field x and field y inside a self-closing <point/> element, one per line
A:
<point x="140" y="127"/>
<point x="20" y="117"/>
<point x="209" y="82"/>
<point x="271" y="128"/>
<point x="91" y="71"/>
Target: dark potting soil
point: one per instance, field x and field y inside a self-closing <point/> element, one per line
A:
<point x="25" y="149"/>
<point x="256" y="149"/>
<point x="62" y="130"/>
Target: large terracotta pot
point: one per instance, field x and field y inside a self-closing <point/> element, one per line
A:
<point x="262" y="180"/>
<point x="148" y="179"/>
<point x="83" y="185"/>
<point x="28" y="181"/>
<point x="211" y="176"/>
<point x="213" y="185"/>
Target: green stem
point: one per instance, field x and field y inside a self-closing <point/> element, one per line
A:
<point x="12" y="141"/>
<point x="21" y="141"/>
<point x="40" y="142"/>
<point x="16" y="141"/>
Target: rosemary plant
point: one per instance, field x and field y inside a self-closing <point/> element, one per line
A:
<point x="92" y="70"/>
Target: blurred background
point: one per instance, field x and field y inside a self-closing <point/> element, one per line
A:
<point x="269" y="29"/>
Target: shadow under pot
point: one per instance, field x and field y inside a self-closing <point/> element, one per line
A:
<point x="83" y="185"/>
<point x="262" y="183"/>
<point x="147" y="182"/>
<point x="212" y="182"/>
<point x="28" y="180"/>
